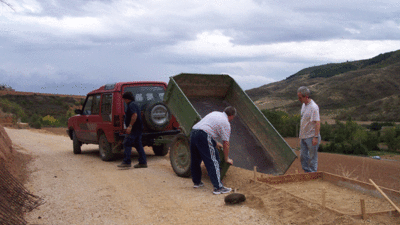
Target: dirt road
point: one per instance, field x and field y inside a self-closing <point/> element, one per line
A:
<point x="82" y="189"/>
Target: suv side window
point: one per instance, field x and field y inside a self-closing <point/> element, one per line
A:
<point x="92" y="105"/>
<point x="106" y="103"/>
<point x="87" y="110"/>
<point x="96" y="104"/>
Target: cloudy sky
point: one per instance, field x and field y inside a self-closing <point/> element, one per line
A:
<point x="75" y="46"/>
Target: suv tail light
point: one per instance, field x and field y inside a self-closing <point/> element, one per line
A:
<point x="117" y="121"/>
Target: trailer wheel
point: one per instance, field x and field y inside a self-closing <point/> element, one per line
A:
<point x="157" y="116"/>
<point x="76" y="144"/>
<point x="105" y="149"/>
<point x="180" y="155"/>
<point x="160" y="150"/>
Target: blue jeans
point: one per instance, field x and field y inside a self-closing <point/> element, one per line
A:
<point x="133" y="140"/>
<point x="309" y="154"/>
<point x="202" y="148"/>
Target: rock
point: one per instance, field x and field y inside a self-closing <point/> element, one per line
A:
<point x="234" y="198"/>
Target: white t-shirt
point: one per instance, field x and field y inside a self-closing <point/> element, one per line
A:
<point x="215" y="124"/>
<point x="309" y="116"/>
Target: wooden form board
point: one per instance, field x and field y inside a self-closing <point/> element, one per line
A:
<point x="365" y="188"/>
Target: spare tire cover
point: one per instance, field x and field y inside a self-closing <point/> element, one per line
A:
<point x="157" y="116"/>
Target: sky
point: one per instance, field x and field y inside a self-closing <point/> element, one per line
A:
<point x="76" y="46"/>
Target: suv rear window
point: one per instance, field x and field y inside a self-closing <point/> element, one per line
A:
<point x="146" y="94"/>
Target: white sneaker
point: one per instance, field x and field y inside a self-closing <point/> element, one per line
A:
<point x="221" y="190"/>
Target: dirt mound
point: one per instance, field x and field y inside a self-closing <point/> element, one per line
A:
<point x="15" y="199"/>
<point x="14" y="160"/>
<point x="5" y="145"/>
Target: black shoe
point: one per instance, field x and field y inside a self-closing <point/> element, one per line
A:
<point x="124" y="165"/>
<point x="201" y="184"/>
<point x="140" y="165"/>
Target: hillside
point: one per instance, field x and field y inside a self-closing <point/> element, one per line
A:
<point x="365" y="90"/>
<point x="27" y="104"/>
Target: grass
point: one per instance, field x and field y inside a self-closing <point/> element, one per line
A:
<point x="343" y="171"/>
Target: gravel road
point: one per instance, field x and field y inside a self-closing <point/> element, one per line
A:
<point x="83" y="189"/>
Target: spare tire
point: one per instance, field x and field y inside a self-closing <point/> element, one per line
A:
<point x="157" y="116"/>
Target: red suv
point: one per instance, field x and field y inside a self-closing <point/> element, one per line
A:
<point x="101" y="120"/>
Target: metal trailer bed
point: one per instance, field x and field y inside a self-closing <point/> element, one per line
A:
<point x="254" y="141"/>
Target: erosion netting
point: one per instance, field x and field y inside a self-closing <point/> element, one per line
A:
<point x="15" y="199"/>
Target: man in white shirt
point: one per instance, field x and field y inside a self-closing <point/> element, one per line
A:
<point x="203" y="142"/>
<point x="310" y="137"/>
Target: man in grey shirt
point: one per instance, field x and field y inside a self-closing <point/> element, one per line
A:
<point x="310" y="137"/>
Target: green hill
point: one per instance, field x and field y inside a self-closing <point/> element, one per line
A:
<point x="364" y="90"/>
<point x="27" y="105"/>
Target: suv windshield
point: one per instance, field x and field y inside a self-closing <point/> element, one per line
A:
<point x="146" y="94"/>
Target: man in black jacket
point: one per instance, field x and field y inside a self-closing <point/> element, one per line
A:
<point x="134" y="130"/>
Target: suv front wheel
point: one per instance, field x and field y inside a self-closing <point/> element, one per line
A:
<point x="76" y="144"/>
<point x="105" y="148"/>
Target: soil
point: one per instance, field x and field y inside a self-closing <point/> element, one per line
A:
<point x="82" y="189"/>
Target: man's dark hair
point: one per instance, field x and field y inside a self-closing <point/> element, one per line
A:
<point x="129" y="96"/>
<point x="230" y="111"/>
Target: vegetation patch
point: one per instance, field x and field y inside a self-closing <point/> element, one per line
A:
<point x="40" y="110"/>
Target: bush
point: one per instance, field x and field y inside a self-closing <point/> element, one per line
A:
<point x="388" y="135"/>
<point x="49" y="121"/>
<point x="349" y="138"/>
<point x="372" y="141"/>
<point x="36" y="124"/>
<point x="35" y="121"/>
<point x="286" y="125"/>
<point x="376" y="126"/>
<point x="326" y="132"/>
<point x="13" y="108"/>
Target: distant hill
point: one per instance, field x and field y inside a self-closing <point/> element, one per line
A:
<point x="364" y="90"/>
<point x="38" y="103"/>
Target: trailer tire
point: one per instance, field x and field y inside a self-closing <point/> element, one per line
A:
<point x="157" y="116"/>
<point x="180" y="155"/>
<point x="76" y="144"/>
<point x="105" y="149"/>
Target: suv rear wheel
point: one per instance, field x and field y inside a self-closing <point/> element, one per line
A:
<point x="157" y="116"/>
<point x="160" y="150"/>
<point x="180" y="155"/>
<point x="105" y="148"/>
<point x="76" y="144"/>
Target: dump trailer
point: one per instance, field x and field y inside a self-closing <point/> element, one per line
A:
<point x="253" y="142"/>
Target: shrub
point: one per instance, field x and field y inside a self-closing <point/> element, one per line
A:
<point x="286" y="125"/>
<point x="326" y="132"/>
<point x="376" y="126"/>
<point x="349" y="138"/>
<point x="388" y="135"/>
<point x="13" y="108"/>
<point x="35" y="121"/>
<point x="49" y="121"/>
<point x="36" y="124"/>
<point x="372" y="141"/>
